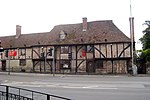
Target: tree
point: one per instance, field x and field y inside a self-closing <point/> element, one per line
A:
<point x="145" y="40"/>
<point x="145" y="55"/>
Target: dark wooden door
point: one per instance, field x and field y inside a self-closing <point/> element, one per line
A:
<point x="3" y="65"/>
<point x="90" y="67"/>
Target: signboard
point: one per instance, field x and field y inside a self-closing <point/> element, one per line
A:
<point x="12" y="53"/>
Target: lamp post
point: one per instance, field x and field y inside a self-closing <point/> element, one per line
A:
<point x="1" y="50"/>
<point x="53" y="61"/>
<point x="44" y="57"/>
<point x="9" y="62"/>
<point x="11" y="53"/>
<point x="51" y="52"/>
<point x="111" y="58"/>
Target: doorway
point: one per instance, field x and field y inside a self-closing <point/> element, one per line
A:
<point x="4" y="65"/>
<point x="90" y="68"/>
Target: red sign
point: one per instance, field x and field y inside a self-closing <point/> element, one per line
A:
<point x="12" y="53"/>
<point x="83" y="53"/>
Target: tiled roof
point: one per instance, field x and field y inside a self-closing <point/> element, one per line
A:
<point x="25" y="40"/>
<point x="97" y="32"/>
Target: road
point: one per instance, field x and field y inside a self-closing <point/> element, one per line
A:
<point x="83" y="87"/>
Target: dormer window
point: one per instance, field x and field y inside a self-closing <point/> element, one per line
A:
<point x="62" y="35"/>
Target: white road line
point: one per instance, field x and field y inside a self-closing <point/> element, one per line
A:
<point x="89" y="87"/>
<point x="105" y="88"/>
<point x="77" y="86"/>
<point x="92" y="86"/>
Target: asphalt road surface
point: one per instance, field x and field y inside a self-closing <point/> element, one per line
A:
<point x="83" y="87"/>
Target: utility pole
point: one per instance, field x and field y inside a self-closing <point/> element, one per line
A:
<point x="131" y="19"/>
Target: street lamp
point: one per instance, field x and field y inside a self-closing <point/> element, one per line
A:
<point x="43" y="56"/>
<point x="51" y="52"/>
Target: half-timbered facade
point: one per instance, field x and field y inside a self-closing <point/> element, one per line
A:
<point x="88" y="47"/>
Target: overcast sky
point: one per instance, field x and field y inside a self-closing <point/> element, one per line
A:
<point x="42" y="15"/>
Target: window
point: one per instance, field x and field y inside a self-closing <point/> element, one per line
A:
<point x="99" y="64"/>
<point x="65" y="64"/>
<point x="22" y="52"/>
<point x="64" y="50"/>
<point x="22" y="62"/>
<point x="90" y="48"/>
<point x="62" y="35"/>
<point x="42" y="55"/>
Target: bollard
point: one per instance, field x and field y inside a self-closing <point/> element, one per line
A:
<point x="48" y="97"/>
<point x="7" y="92"/>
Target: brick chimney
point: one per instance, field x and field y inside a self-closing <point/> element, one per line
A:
<point x="18" y="31"/>
<point x="84" y="24"/>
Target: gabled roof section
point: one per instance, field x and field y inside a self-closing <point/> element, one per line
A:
<point x="97" y="32"/>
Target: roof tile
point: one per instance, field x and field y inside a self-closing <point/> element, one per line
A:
<point x="97" y="32"/>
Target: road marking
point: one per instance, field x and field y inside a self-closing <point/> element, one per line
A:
<point x="92" y="86"/>
<point x="70" y="85"/>
<point x="105" y="88"/>
<point x="89" y="87"/>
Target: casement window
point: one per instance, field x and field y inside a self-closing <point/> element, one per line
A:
<point x="22" y="62"/>
<point x="90" y="48"/>
<point x="22" y="52"/>
<point x="65" y="64"/>
<point x="99" y="64"/>
<point x="42" y="55"/>
<point x="64" y="50"/>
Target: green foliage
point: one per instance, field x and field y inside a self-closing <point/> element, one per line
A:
<point x="145" y="40"/>
<point x="145" y="55"/>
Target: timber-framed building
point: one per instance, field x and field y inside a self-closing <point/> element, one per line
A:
<point x="87" y="47"/>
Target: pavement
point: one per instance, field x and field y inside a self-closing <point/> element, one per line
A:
<point x="71" y="75"/>
<point x="83" y="87"/>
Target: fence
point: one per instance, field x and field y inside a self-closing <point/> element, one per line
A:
<point x="15" y="93"/>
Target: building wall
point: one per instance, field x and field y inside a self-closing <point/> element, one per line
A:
<point x="15" y="65"/>
<point x="108" y="54"/>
